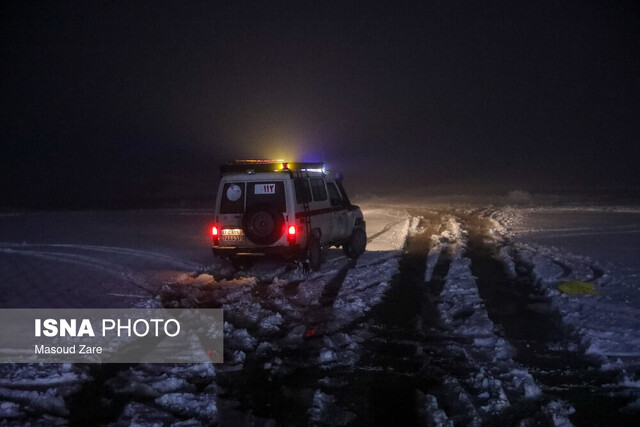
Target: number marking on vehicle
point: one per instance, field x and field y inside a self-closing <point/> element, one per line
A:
<point x="264" y="189"/>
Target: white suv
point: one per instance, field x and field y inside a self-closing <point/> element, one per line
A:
<point x="290" y="209"/>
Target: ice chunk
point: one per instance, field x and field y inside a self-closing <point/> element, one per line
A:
<point x="327" y="356"/>
<point x="271" y="323"/>
<point x="200" y="406"/>
<point x="49" y="401"/>
<point x="431" y="412"/>
<point x="322" y="403"/>
<point x="240" y="338"/>
<point x="9" y="410"/>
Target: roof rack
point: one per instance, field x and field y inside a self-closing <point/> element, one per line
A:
<point x="260" y="165"/>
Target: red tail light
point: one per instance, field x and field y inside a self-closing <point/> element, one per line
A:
<point x="215" y="234"/>
<point x="291" y="234"/>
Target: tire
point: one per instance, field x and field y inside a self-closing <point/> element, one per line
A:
<point x="263" y="224"/>
<point x="314" y="254"/>
<point x="356" y="244"/>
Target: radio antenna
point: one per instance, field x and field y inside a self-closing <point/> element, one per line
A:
<point x="324" y="161"/>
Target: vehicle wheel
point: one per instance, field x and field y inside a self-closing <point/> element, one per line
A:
<point x="314" y="254"/>
<point x="356" y="244"/>
<point x="263" y="224"/>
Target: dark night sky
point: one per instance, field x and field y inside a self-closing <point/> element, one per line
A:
<point x="109" y="101"/>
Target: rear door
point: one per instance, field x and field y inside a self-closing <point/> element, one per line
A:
<point x="340" y="214"/>
<point x="322" y="215"/>
<point x="271" y="193"/>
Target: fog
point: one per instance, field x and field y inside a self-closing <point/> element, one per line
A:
<point x="110" y="105"/>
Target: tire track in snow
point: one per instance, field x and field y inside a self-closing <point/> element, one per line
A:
<point x="545" y="344"/>
<point x="369" y="370"/>
<point x="484" y="384"/>
<point x="385" y="229"/>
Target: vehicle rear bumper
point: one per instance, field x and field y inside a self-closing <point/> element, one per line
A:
<point x="293" y="250"/>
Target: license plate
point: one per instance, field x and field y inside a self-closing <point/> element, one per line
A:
<point x="232" y="235"/>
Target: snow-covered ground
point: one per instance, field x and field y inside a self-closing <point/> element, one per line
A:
<point x="592" y="244"/>
<point x="606" y="234"/>
<point x="428" y="310"/>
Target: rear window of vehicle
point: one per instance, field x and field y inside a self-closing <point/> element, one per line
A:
<point x="318" y="189"/>
<point x="232" y="201"/>
<point x="303" y="192"/>
<point x="270" y="192"/>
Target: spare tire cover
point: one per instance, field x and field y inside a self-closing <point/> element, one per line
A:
<point x="263" y="224"/>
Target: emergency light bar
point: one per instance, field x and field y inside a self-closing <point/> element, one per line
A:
<point x="255" y="162"/>
<point x="256" y="166"/>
